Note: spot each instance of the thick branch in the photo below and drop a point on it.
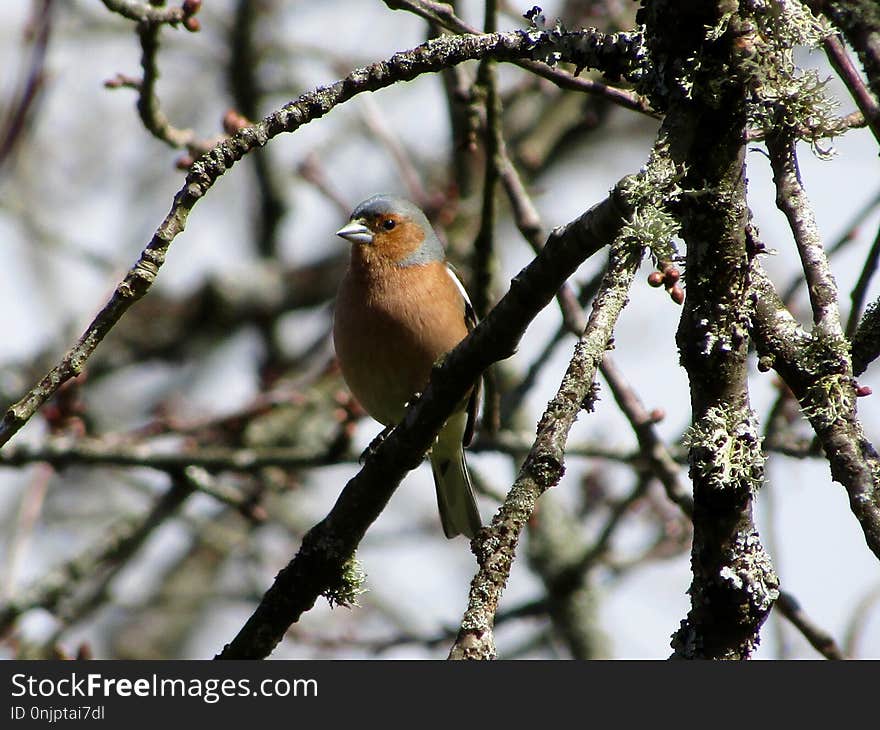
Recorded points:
(733, 585)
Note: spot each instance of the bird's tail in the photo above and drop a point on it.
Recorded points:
(455, 495)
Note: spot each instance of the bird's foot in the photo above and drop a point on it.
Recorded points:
(415, 397)
(375, 443)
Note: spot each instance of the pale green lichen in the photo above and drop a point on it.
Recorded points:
(801, 104)
(831, 394)
(725, 449)
(650, 227)
(649, 193)
(350, 585)
(787, 96)
(827, 400)
(790, 23)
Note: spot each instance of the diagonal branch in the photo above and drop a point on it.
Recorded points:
(819, 639)
(859, 21)
(544, 466)
(857, 297)
(791, 199)
(817, 371)
(14, 119)
(863, 98)
(61, 590)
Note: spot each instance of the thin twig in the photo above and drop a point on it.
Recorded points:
(146, 12)
(151, 114)
(860, 290)
(863, 98)
(15, 119)
(311, 170)
(484, 260)
(860, 23)
(29, 511)
(861, 614)
(660, 461)
(819, 639)
(374, 120)
(247, 92)
(62, 452)
(101, 563)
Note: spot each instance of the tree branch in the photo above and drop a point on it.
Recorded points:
(100, 563)
(733, 586)
(863, 98)
(857, 296)
(791, 199)
(145, 12)
(817, 370)
(859, 20)
(819, 639)
(544, 466)
(14, 119)
(444, 15)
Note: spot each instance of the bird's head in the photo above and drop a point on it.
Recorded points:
(392, 230)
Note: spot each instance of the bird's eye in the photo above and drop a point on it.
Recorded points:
(388, 224)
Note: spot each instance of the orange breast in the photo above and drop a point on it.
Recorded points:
(391, 325)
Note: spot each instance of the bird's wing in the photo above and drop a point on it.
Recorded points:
(470, 320)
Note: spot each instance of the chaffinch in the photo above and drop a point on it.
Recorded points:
(400, 307)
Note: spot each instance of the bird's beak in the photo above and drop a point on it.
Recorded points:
(356, 232)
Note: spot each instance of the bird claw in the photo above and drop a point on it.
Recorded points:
(375, 443)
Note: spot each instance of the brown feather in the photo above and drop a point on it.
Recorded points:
(390, 330)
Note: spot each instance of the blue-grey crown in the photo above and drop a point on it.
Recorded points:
(384, 204)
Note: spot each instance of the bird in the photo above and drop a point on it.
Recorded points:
(400, 307)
